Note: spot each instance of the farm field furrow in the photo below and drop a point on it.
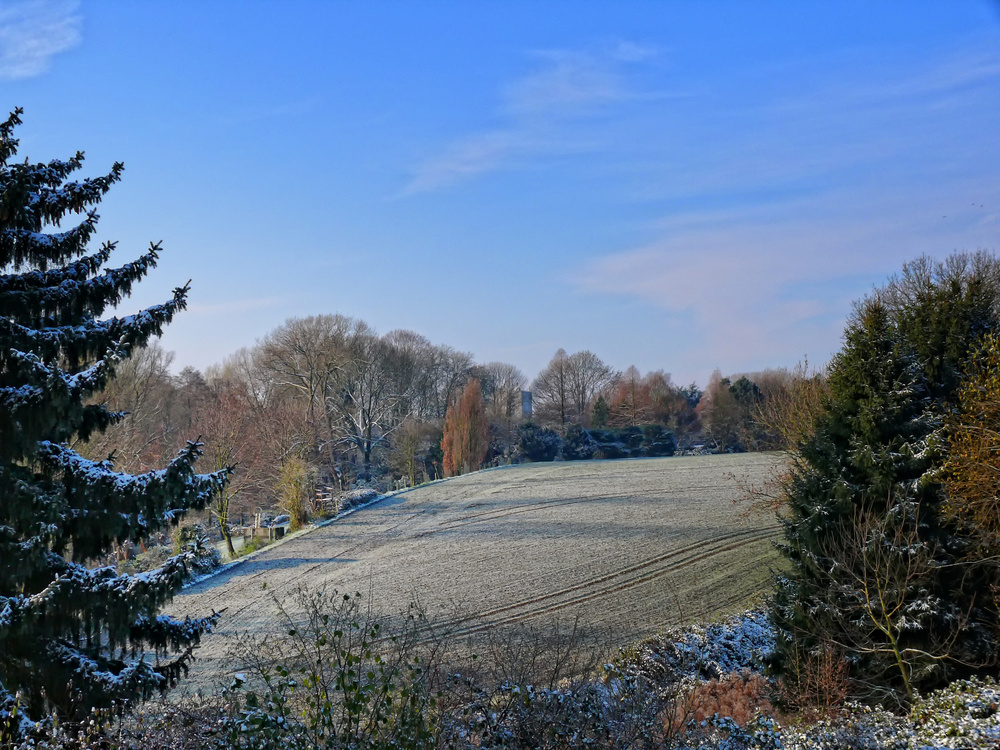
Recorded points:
(619, 547)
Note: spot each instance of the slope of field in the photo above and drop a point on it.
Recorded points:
(626, 546)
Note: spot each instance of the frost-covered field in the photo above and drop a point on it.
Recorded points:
(627, 547)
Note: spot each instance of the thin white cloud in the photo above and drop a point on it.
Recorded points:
(33, 32)
(570, 83)
(540, 110)
(950, 76)
(469, 157)
(627, 51)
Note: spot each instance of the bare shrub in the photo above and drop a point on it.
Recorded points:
(818, 684)
(547, 687)
(340, 676)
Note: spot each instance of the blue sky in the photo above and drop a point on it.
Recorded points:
(679, 186)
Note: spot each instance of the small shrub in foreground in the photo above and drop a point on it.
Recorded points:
(338, 678)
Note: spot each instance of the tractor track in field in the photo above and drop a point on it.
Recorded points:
(671, 562)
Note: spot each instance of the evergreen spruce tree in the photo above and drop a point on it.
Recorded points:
(73, 635)
(601, 412)
(878, 572)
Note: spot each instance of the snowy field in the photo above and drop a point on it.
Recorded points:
(626, 547)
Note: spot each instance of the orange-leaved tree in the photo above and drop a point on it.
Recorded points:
(972, 472)
(466, 432)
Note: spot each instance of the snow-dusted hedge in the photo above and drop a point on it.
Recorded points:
(354, 498)
(743, 642)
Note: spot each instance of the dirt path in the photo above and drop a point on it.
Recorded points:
(617, 544)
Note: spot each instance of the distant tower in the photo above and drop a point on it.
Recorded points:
(526, 404)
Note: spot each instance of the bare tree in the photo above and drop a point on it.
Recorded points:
(792, 402)
(409, 442)
(407, 359)
(427, 375)
(305, 356)
(362, 397)
(449, 370)
(141, 390)
(235, 438)
(587, 377)
(551, 397)
(502, 384)
(564, 392)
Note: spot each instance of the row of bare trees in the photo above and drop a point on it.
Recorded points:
(757, 411)
(319, 399)
(326, 399)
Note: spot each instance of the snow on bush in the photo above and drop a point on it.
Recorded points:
(707, 652)
(962, 715)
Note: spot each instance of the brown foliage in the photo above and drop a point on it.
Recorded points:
(972, 469)
(738, 696)
(791, 405)
(296, 484)
(722, 417)
(230, 428)
(787, 415)
(409, 442)
(466, 432)
(147, 434)
(631, 404)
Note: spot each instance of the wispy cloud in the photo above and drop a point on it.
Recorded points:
(569, 83)
(766, 285)
(539, 109)
(32, 32)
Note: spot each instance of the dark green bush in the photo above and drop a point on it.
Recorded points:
(610, 450)
(632, 439)
(578, 445)
(603, 436)
(659, 441)
(538, 443)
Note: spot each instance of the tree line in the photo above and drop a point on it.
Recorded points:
(327, 401)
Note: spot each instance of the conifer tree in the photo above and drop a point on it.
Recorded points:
(878, 571)
(74, 635)
(601, 412)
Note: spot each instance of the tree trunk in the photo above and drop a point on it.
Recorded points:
(222, 513)
(229, 543)
(367, 450)
(227, 535)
